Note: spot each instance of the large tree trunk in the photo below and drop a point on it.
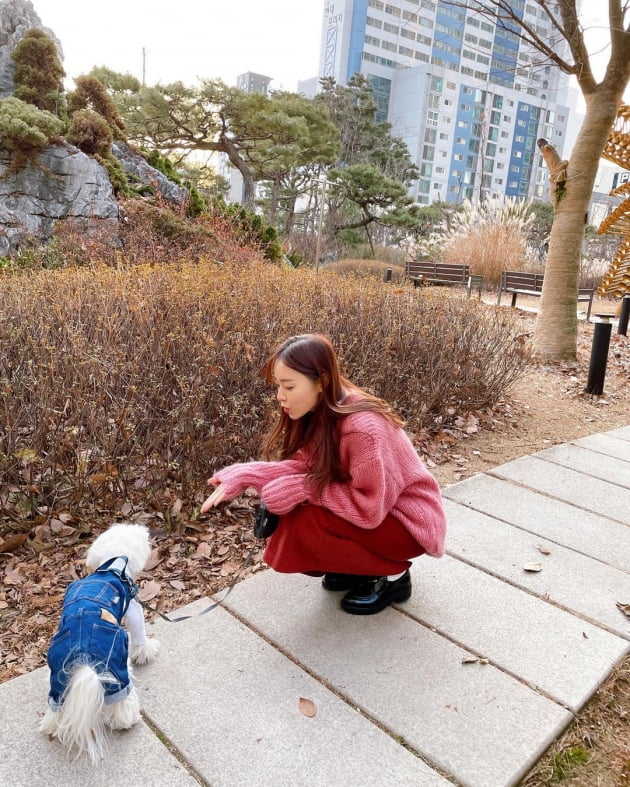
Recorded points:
(555, 335)
(249, 186)
(290, 219)
(273, 203)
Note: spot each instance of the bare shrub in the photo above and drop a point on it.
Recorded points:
(592, 271)
(392, 255)
(147, 233)
(127, 385)
(374, 268)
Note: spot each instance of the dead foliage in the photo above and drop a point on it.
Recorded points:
(131, 386)
(150, 232)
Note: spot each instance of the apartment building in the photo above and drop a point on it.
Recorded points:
(468, 96)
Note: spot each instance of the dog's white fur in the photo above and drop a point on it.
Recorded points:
(83, 721)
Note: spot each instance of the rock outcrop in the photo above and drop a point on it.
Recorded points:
(139, 169)
(62, 183)
(16, 17)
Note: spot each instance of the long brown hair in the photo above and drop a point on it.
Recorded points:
(313, 355)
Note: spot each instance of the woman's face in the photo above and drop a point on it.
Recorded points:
(297, 393)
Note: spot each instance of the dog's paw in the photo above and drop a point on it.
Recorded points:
(145, 654)
(48, 725)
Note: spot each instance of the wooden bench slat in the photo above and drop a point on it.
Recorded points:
(530, 283)
(450, 273)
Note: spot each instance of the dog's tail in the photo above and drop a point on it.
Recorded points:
(79, 723)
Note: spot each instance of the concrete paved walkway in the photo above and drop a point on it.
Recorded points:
(467, 683)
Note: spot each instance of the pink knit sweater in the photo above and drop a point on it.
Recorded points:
(387, 476)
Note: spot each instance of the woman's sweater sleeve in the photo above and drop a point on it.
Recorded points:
(237, 478)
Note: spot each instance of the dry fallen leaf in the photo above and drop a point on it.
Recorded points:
(307, 707)
(12, 577)
(203, 550)
(532, 567)
(625, 608)
(543, 550)
(149, 590)
(470, 660)
(12, 542)
(154, 560)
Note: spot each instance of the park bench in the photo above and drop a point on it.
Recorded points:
(521, 283)
(424, 272)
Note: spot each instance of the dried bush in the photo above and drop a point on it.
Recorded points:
(490, 237)
(135, 385)
(592, 271)
(373, 268)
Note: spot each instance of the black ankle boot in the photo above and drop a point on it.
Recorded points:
(374, 596)
(332, 581)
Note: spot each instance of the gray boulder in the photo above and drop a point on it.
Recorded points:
(16, 17)
(62, 183)
(135, 165)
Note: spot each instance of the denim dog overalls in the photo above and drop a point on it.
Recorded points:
(90, 631)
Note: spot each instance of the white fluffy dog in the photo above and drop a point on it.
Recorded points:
(91, 688)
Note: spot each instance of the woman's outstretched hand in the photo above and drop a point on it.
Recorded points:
(217, 497)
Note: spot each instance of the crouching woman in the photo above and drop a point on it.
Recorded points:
(355, 501)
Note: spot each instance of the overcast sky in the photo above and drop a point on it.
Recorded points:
(189, 39)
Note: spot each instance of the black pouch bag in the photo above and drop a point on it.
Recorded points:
(265, 522)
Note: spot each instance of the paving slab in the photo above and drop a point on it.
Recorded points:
(623, 433)
(606, 444)
(30, 759)
(582, 531)
(572, 580)
(546, 647)
(580, 490)
(592, 463)
(230, 702)
(480, 725)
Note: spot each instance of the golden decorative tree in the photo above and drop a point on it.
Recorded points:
(616, 281)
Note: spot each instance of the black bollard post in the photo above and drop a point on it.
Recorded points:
(623, 317)
(599, 355)
(388, 275)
